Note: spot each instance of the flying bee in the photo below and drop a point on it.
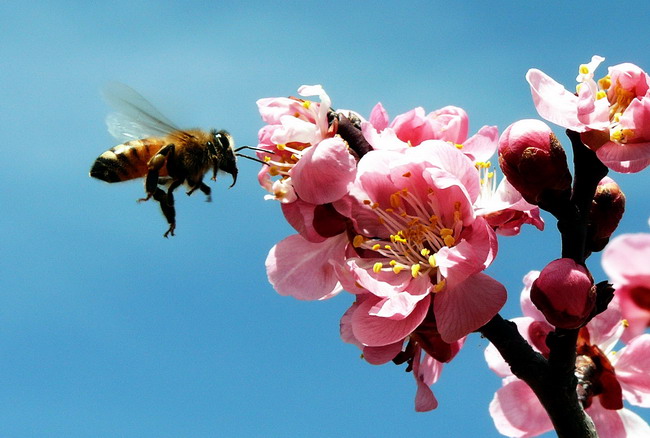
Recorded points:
(154, 148)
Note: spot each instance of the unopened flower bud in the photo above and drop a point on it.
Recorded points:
(565, 293)
(534, 162)
(606, 211)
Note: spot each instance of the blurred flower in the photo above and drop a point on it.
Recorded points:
(612, 114)
(625, 260)
(565, 293)
(534, 162)
(605, 376)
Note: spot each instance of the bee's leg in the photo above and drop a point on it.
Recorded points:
(154, 165)
(203, 187)
(206, 189)
(168, 210)
(172, 187)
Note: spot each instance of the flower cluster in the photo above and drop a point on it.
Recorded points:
(402, 214)
(613, 113)
(606, 377)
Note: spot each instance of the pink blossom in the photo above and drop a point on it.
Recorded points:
(625, 260)
(502, 206)
(613, 114)
(517, 412)
(419, 239)
(306, 161)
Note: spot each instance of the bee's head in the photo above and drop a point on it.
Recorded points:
(222, 153)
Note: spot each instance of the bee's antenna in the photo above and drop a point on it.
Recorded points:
(251, 158)
(252, 149)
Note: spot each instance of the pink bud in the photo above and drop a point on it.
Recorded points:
(565, 293)
(534, 162)
(607, 209)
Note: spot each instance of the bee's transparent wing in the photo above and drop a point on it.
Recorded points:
(135, 117)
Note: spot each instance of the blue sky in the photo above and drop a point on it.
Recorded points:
(107, 329)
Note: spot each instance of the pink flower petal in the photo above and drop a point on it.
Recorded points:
(445, 156)
(467, 306)
(300, 215)
(385, 283)
(625, 259)
(634, 425)
(629, 158)
(605, 329)
(608, 422)
(637, 317)
(305, 270)
(633, 371)
(553, 101)
(450, 123)
(324, 172)
(378, 117)
(482, 145)
(377, 331)
(517, 412)
(426, 371)
(345, 326)
(527, 306)
(472, 254)
(382, 355)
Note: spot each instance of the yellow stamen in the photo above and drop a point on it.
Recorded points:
(397, 269)
(584, 69)
(432, 261)
(605, 82)
(358, 241)
(376, 246)
(625, 323)
(376, 268)
(601, 94)
(281, 147)
(458, 146)
(395, 200)
(415, 270)
(306, 104)
(425, 252)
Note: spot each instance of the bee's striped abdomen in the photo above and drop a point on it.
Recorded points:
(126, 161)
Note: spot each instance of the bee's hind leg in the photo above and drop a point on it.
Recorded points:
(170, 195)
(167, 208)
(153, 175)
(165, 200)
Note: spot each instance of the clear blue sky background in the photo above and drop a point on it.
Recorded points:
(107, 329)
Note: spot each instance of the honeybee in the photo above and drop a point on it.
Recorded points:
(154, 148)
